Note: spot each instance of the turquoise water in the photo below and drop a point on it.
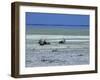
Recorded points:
(57, 30)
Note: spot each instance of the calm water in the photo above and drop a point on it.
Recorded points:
(57, 30)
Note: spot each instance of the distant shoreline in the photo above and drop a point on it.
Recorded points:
(55, 36)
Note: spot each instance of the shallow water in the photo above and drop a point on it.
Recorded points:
(73, 52)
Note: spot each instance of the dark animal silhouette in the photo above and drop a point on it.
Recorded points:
(43, 42)
(62, 41)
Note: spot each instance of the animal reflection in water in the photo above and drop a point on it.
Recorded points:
(44, 42)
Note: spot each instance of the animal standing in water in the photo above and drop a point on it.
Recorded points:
(43, 42)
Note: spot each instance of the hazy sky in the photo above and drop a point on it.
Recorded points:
(50, 19)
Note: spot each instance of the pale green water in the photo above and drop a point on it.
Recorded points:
(58, 31)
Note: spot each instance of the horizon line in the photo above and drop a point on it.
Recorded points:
(55, 25)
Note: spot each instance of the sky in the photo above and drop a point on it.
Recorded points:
(51, 19)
